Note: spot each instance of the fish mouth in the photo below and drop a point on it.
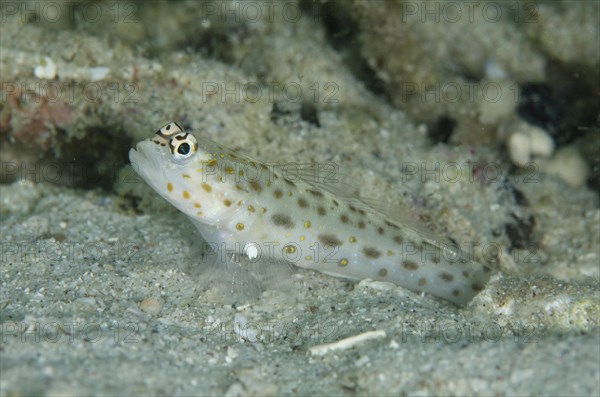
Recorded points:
(137, 158)
(141, 162)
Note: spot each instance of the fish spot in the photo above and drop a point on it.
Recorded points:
(321, 211)
(398, 240)
(277, 193)
(422, 281)
(169, 187)
(185, 176)
(186, 194)
(289, 249)
(455, 292)
(371, 252)
(476, 287)
(390, 224)
(226, 202)
(335, 202)
(255, 186)
(239, 226)
(315, 193)
(352, 239)
(487, 269)
(282, 220)
(382, 272)
(410, 265)
(307, 224)
(447, 277)
(206, 187)
(343, 262)
(435, 259)
(302, 203)
(344, 218)
(465, 273)
(196, 205)
(251, 208)
(380, 230)
(361, 225)
(329, 240)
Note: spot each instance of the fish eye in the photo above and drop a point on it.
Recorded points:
(169, 129)
(183, 146)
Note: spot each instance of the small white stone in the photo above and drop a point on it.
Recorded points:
(150, 306)
(493, 71)
(541, 143)
(518, 148)
(528, 142)
(45, 70)
(98, 73)
(568, 164)
(493, 106)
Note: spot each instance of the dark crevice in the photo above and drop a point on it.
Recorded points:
(441, 130)
(310, 113)
(566, 107)
(520, 231)
(95, 160)
(291, 113)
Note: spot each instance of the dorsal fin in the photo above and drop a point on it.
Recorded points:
(342, 186)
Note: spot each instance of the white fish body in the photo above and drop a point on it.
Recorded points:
(244, 206)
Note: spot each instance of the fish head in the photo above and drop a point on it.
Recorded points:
(174, 164)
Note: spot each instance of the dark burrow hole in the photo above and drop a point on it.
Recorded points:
(567, 108)
(441, 130)
(95, 160)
